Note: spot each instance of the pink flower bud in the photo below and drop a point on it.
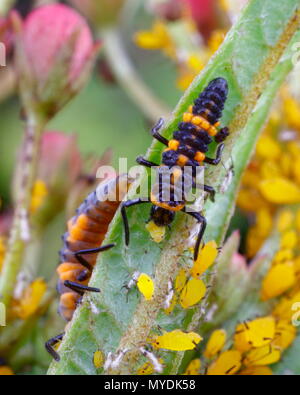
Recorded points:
(99, 12)
(55, 52)
(204, 13)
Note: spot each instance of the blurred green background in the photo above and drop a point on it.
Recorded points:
(102, 115)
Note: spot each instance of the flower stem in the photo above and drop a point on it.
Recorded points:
(128, 77)
(20, 236)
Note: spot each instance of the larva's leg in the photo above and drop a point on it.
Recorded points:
(79, 288)
(155, 132)
(208, 189)
(201, 220)
(217, 160)
(222, 135)
(79, 257)
(124, 206)
(144, 162)
(51, 343)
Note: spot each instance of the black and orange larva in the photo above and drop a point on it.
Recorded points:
(187, 149)
(82, 244)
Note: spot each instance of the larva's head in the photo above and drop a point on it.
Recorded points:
(160, 218)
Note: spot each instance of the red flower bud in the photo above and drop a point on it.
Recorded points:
(55, 51)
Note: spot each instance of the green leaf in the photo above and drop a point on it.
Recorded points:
(247, 59)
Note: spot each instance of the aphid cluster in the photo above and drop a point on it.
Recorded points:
(87, 230)
(186, 150)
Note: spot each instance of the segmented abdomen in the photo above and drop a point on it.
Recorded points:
(171, 188)
(200, 124)
(87, 230)
(211, 101)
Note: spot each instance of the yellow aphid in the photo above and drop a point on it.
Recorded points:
(39, 193)
(216, 39)
(30, 301)
(250, 200)
(270, 169)
(194, 368)
(254, 242)
(6, 371)
(251, 179)
(268, 148)
(256, 371)
(180, 280)
(291, 111)
(146, 370)
(257, 333)
(263, 356)
(157, 233)
(280, 279)
(296, 169)
(195, 62)
(298, 220)
(284, 309)
(177, 340)
(185, 78)
(193, 292)
(155, 39)
(145, 285)
(294, 149)
(297, 267)
(284, 255)
(216, 343)
(287, 164)
(98, 359)
(264, 222)
(289, 240)
(227, 364)
(280, 191)
(285, 334)
(206, 258)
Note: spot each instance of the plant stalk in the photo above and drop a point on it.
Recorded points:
(129, 79)
(20, 233)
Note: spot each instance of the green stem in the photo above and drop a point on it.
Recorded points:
(128, 78)
(19, 237)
